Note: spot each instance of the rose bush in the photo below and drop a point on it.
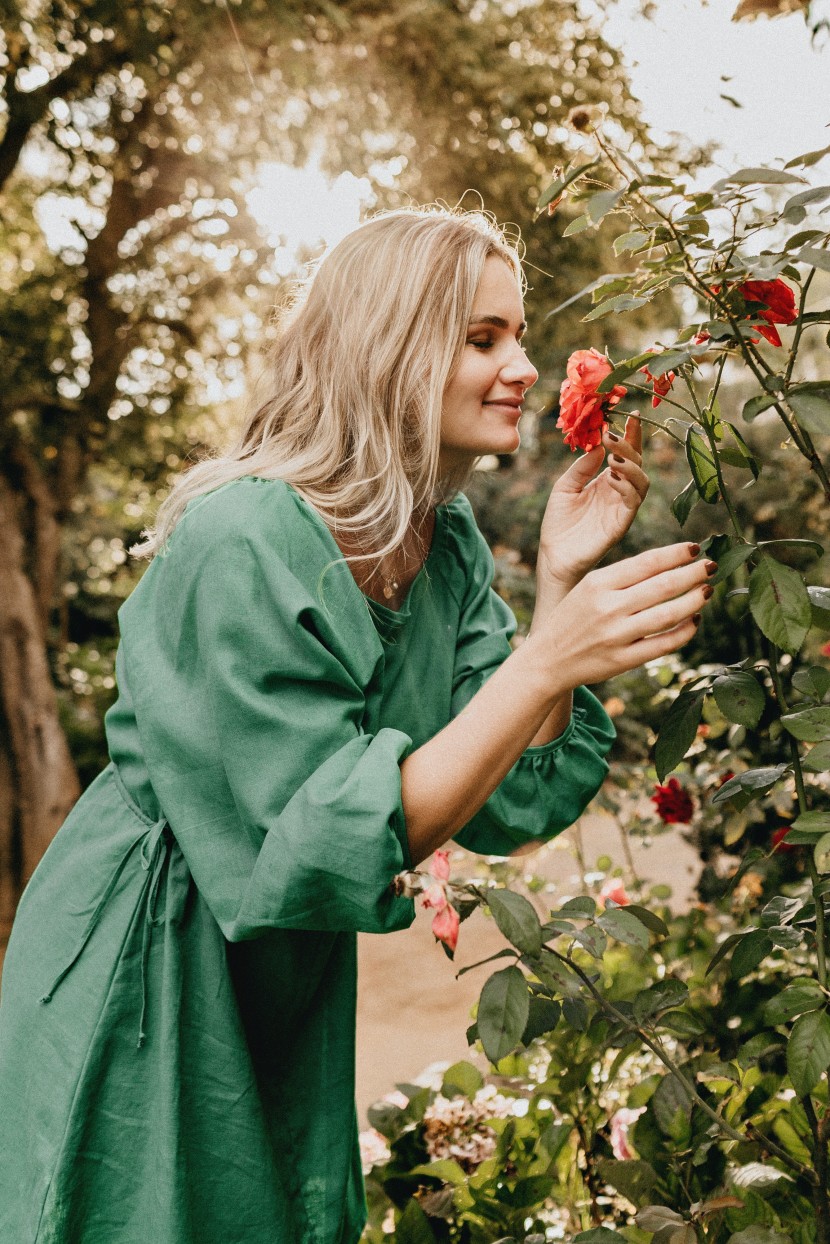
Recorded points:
(712, 1026)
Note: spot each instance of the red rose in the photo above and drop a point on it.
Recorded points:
(582, 410)
(673, 804)
(776, 305)
(660, 384)
(777, 840)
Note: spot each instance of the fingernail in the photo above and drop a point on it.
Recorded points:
(711, 567)
(617, 458)
(614, 475)
(696, 619)
(708, 590)
(694, 549)
(612, 436)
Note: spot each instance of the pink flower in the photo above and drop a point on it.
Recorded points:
(614, 891)
(620, 1123)
(825, 650)
(582, 410)
(446, 921)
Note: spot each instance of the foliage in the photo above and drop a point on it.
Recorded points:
(714, 1026)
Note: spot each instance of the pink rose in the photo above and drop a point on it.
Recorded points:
(582, 410)
(614, 891)
(620, 1123)
(446, 921)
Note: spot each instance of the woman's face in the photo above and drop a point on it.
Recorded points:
(483, 400)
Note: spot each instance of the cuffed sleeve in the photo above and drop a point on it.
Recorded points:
(286, 807)
(549, 786)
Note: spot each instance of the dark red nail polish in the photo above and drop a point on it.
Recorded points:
(612, 436)
(694, 549)
(711, 567)
(614, 475)
(696, 619)
(707, 590)
(617, 458)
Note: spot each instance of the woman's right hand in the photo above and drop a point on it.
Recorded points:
(620, 616)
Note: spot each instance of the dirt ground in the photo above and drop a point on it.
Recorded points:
(412, 1012)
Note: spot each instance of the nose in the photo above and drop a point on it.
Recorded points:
(518, 369)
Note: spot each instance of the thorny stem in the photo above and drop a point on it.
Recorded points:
(674, 1070)
(815, 880)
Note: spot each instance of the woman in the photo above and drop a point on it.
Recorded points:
(316, 690)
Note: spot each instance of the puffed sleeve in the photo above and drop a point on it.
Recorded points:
(253, 723)
(549, 786)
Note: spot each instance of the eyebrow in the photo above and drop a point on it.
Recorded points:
(495, 320)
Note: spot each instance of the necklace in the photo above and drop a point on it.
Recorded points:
(390, 587)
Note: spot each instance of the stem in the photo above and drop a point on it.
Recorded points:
(710, 436)
(592, 1181)
(654, 423)
(674, 1070)
(629, 858)
(799, 328)
(815, 880)
(820, 1201)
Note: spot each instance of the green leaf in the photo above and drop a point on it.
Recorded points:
(795, 999)
(677, 731)
(739, 455)
(622, 371)
(702, 465)
(811, 725)
(649, 919)
(613, 306)
(445, 1169)
(753, 780)
(820, 606)
(592, 939)
(660, 997)
(669, 360)
(682, 1023)
(516, 919)
(658, 1218)
(579, 225)
(731, 560)
(811, 405)
(814, 257)
(756, 405)
(503, 1012)
(630, 241)
(600, 1235)
(779, 603)
(749, 952)
(413, 1226)
(575, 1014)
(683, 503)
(581, 906)
(620, 924)
(800, 545)
(808, 1051)
(386, 1118)
(817, 759)
(507, 952)
(543, 1016)
(553, 973)
(739, 697)
(756, 1234)
(559, 184)
(814, 681)
(601, 203)
(632, 1178)
(812, 823)
(805, 161)
(758, 177)
(463, 1076)
(816, 194)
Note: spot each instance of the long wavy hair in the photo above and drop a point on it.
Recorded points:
(351, 415)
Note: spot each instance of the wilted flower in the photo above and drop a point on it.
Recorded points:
(620, 1123)
(661, 385)
(614, 891)
(583, 411)
(446, 922)
(455, 1127)
(673, 804)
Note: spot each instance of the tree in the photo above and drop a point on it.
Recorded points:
(143, 124)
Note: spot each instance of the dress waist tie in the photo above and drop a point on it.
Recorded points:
(155, 850)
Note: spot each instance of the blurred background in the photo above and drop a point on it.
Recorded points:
(166, 170)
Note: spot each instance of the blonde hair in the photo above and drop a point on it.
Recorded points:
(356, 380)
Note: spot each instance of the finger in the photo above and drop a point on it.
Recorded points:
(616, 444)
(668, 585)
(582, 470)
(629, 471)
(661, 645)
(628, 494)
(646, 565)
(633, 433)
(664, 617)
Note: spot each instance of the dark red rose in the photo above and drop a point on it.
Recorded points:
(582, 410)
(673, 804)
(776, 305)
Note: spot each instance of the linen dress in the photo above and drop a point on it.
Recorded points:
(177, 1019)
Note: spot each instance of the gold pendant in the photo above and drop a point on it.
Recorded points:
(389, 589)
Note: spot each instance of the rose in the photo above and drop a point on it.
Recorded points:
(661, 384)
(614, 891)
(777, 840)
(446, 921)
(582, 409)
(673, 804)
(777, 302)
(620, 1123)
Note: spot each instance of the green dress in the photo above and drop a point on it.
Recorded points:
(177, 1018)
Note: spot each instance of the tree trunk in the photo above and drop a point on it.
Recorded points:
(38, 781)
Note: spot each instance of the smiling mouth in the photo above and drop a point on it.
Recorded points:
(514, 407)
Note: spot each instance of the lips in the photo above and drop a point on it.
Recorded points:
(508, 403)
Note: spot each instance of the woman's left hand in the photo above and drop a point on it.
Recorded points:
(588, 514)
